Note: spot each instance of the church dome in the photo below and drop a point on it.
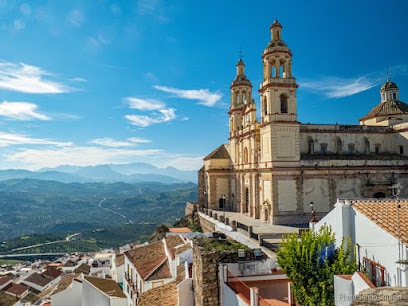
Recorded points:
(389, 85)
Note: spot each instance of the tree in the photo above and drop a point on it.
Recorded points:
(311, 263)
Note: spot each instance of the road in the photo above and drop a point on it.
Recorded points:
(114, 212)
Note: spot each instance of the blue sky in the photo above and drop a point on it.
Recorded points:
(98, 82)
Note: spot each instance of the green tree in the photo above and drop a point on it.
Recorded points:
(311, 263)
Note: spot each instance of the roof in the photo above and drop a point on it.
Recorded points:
(83, 268)
(219, 153)
(165, 295)
(389, 85)
(145, 265)
(183, 248)
(162, 272)
(108, 286)
(120, 260)
(396, 296)
(387, 109)
(5, 279)
(16, 289)
(65, 282)
(38, 279)
(52, 272)
(172, 242)
(179, 230)
(386, 214)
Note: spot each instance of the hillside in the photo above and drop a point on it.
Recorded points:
(32, 206)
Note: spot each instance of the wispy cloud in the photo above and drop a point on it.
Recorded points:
(109, 142)
(203, 96)
(21, 111)
(160, 116)
(335, 87)
(8, 139)
(144, 104)
(28, 79)
(158, 112)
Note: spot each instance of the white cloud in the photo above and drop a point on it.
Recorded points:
(21, 111)
(76, 156)
(334, 87)
(109, 142)
(203, 96)
(144, 104)
(28, 79)
(8, 139)
(162, 115)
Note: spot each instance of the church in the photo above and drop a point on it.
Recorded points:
(277, 169)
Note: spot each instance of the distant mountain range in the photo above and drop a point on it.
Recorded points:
(127, 173)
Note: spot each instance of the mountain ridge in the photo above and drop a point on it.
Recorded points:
(105, 173)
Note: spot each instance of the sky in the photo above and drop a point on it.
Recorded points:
(115, 82)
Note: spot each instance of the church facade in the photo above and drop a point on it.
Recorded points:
(277, 169)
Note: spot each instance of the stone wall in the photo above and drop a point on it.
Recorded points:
(206, 225)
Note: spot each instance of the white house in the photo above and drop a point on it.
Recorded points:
(152, 265)
(68, 291)
(379, 230)
(101, 292)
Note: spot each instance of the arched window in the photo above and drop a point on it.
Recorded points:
(245, 155)
(232, 124)
(394, 96)
(311, 145)
(265, 106)
(366, 146)
(284, 104)
(339, 145)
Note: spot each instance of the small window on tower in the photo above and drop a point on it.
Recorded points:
(401, 150)
(323, 148)
(394, 96)
(284, 104)
(351, 148)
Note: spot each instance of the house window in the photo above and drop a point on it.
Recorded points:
(351, 148)
(323, 148)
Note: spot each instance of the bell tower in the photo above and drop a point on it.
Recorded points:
(243, 124)
(279, 125)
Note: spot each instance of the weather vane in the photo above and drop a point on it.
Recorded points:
(240, 53)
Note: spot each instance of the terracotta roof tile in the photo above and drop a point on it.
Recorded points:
(16, 289)
(387, 215)
(65, 282)
(219, 153)
(108, 286)
(183, 248)
(386, 109)
(161, 272)
(172, 242)
(52, 272)
(120, 259)
(179, 230)
(166, 295)
(147, 258)
(38, 279)
(83, 268)
(5, 279)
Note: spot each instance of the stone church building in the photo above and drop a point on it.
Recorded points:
(274, 168)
